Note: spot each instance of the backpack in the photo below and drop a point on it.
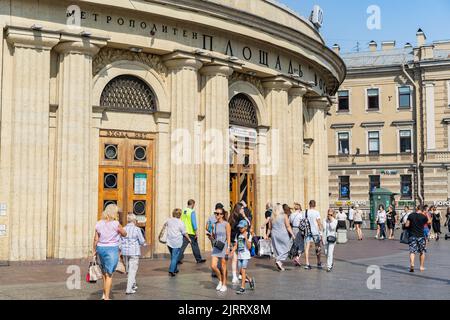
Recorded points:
(304, 226)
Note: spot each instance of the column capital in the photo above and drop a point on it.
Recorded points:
(277, 83)
(318, 103)
(217, 69)
(298, 91)
(81, 45)
(33, 39)
(181, 60)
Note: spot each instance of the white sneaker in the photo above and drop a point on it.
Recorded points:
(219, 286)
(240, 277)
(223, 289)
(235, 281)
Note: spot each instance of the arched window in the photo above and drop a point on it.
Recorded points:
(242, 111)
(130, 94)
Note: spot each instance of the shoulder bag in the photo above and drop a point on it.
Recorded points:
(163, 234)
(404, 237)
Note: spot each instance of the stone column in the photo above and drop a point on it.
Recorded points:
(317, 166)
(74, 147)
(162, 173)
(25, 142)
(215, 167)
(262, 178)
(184, 108)
(277, 104)
(295, 160)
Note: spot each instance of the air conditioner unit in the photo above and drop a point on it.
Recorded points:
(317, 17)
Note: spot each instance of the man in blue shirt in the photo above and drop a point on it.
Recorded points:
(189, 219)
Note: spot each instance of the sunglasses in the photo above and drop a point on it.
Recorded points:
(217, 213)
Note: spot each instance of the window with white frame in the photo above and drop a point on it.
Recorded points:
(374, 142)
(373, 99)
(405, 141)
(343, 143)
(404, 97)
(343, 101)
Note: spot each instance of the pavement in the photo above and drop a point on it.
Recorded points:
(364, 270)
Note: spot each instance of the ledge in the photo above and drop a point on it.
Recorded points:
(372, 124)
(342, 126)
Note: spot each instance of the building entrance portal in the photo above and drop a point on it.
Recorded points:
(243, 136)
(126, 177)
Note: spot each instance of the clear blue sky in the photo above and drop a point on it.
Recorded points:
(345, 21)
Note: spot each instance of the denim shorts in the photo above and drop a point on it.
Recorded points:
(242, 264)
(313, 238)
(109, 258)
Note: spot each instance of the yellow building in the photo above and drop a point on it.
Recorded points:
(133, 103)
(390, 127)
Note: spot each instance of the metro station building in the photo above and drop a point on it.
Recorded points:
(148, 104)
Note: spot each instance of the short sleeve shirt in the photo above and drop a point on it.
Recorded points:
(416, 224)
(313, 215)
(175, 231)
(242, 250)
(108, 232)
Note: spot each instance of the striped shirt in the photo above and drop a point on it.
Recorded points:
(131, 244)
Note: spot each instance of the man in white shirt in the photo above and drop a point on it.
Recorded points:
(315, 233)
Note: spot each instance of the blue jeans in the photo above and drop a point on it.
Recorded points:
(382, 230)
(174, 256)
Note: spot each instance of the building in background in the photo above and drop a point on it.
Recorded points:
(115, 102)
(391, 125)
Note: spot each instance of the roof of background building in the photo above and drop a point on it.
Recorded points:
(378, 58)
(441, 54)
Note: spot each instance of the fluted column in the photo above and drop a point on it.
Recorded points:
(74, 147)
(216, 171)
(277, 104)
(26, 119)
(295, 160)
(184, 107)
(317, 167)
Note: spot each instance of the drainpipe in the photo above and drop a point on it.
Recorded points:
(418, 128)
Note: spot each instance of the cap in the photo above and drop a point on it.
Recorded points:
(219, 206)
(242, 224)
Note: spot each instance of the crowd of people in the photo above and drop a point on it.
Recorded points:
(292, 233)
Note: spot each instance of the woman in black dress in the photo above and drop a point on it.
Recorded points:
(391, 220)
(436, 224)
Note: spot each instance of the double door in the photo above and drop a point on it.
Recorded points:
(242, 180)
(126, 177)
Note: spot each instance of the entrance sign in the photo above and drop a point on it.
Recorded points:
(244, 134)
(140, 183)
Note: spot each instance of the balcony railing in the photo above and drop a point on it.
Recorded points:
(437, 156)
(370, 159)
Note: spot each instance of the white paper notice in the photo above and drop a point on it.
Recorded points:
(2, 230)
(3, 209)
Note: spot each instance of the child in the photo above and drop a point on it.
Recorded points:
(243, 244)
(131, 251)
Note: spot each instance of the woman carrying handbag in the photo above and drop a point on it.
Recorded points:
(221, 248)
(329, 238)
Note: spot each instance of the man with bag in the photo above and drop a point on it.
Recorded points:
(314, 235)
(188, 217)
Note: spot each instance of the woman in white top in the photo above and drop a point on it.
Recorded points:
(358, 222)
(329, 237)
(404, 216)
(381, 220)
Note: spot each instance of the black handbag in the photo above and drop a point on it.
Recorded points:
(331, 239)
(404, 238)
(219, 244)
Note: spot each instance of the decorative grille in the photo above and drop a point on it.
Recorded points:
(242, 111)
(128, 93)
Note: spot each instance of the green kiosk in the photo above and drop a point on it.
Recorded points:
(379, 196)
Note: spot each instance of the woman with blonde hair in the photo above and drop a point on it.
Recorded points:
(281, 233)
(106, 245)
(329, 237)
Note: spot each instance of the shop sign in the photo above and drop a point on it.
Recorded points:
(351, 203)
(389, 172)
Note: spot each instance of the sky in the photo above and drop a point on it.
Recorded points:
(345, 21)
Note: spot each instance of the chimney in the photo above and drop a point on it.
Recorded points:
(387, 45)
(373, 46)
(408, 45)
(421, 38)
(336, 48)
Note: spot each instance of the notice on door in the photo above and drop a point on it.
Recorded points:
(140, 183)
